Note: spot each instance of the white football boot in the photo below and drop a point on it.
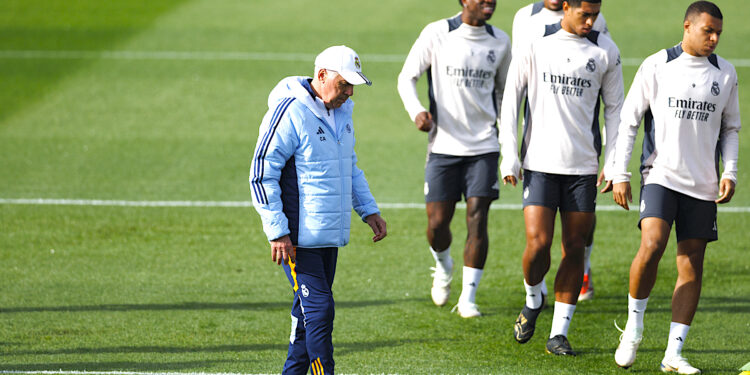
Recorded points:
(441, 285)
(629, 342)
(679, 365)
(467, 310)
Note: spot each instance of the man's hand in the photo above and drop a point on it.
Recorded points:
(378, 226)
(621, 194)
(510, 180)
(424, 121)
(607, 187)
(282, 250)
(726, 191)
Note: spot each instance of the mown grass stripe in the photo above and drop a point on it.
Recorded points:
(228, 56)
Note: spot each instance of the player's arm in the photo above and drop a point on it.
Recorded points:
(515, 87)
(729, 143)
(417, 62)
(276, 144)
(635, 106)
(518, 35)
(613, 96)
(501, 78)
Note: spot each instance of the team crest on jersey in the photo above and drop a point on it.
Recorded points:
(491, 57)
(348, 128)
(715, 89)
(591, 65)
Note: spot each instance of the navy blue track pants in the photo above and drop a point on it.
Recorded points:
(310, 345)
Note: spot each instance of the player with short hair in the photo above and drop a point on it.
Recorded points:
(466, 61)
(688, 97)
(529, 24)
(564, 73)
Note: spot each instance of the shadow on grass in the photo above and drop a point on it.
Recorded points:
(114, 366)
(192, 306)
(153, 349)
(342, 348)
(729, 305)
(76, 26)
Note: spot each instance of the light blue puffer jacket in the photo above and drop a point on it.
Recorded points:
(304, 177)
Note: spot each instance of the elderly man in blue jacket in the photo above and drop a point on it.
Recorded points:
(305, 181)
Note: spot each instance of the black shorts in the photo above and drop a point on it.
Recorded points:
(569, 193)
(695, 218)
(447, 177)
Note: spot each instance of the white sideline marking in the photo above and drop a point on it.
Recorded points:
(390, 206)
(60, 372)
(228, 56)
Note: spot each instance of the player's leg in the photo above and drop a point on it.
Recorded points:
(540, 200)
(577, 206)
(297, 360)
(439, 215)
(475, 254)
(481, 187)
(314, 276)
(442, 190)
(658, 210)
(695, 227)
(684, 303)
(587, 288)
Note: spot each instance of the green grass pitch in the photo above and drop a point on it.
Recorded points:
(146, 100)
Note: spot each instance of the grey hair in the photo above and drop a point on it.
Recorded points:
(331, 73)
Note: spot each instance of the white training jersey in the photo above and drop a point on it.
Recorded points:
(564, 75)
(529, 23)
(466, 68)
(692, 117)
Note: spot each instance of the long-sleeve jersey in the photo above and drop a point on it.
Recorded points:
(466, 68)
(692, 119)
(529, 23)
(563, 75)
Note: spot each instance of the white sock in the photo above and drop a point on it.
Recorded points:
(470, 284)
(533, 294)
(544, 287)
(443, 259)
(561, 319)
(587, 259)
(677, 334)
(636, 311)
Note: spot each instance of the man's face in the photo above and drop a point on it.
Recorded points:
(702, 34)
(554, 5)
(581, 20)
(480, 10)
(335, 90)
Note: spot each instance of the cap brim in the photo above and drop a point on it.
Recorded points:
(356, 78)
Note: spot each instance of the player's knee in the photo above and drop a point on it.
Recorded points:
(538, 242)
(574, 246)
(652, 246)
(438, 225)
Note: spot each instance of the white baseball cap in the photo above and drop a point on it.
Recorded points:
(344, 61)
